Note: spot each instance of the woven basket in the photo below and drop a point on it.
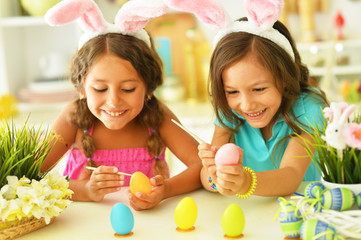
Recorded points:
(19, 228)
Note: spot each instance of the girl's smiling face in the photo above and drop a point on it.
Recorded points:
(114, 90)
(251, 91)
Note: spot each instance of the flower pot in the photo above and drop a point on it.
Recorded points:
(355, 188)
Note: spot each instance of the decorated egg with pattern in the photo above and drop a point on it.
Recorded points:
(290, 220)
(358, 200)
(338, 199)
(314, 229)
(314, 190)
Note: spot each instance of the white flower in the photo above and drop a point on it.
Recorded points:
(46, 198)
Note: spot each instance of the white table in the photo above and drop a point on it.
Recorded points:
(89, 220)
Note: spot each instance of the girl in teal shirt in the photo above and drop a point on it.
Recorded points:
(263, 103)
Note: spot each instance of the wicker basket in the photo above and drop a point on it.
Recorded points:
(19, 228)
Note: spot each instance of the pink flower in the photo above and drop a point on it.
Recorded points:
(352, 135)
(328, 112)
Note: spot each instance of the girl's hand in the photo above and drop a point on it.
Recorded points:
(232, 179)
(206, 153)
(104, 180)
(144, 201)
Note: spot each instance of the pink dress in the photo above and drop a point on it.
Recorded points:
(128, 160)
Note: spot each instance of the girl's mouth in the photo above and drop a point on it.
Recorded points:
(256, 114)
(114, 114)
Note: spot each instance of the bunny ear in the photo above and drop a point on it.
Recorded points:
(207, 11)
(336, 111)
(264, 13)
(135, 14)
(66, 11)
(347, 113)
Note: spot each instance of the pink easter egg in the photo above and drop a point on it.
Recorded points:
(228, 154)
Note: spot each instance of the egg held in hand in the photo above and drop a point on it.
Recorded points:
(228, 154)
(121, 218)
(139, 182)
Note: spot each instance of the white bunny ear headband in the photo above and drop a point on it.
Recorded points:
(261, 14)
(131, 18)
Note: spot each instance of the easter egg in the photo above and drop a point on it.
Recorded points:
(312, 227)
(314, 190)
(121, 218)
(290, 220)
(233, 221)
(228, 154)
(185, 214)
(338, 199)
(358, 200)
(139, 182)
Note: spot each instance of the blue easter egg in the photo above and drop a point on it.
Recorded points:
(290, 220)
(338, 199)
(313, 227)
(358, 200)
(121, 218)
(314, 190)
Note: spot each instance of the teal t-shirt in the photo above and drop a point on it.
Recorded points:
(257, 152)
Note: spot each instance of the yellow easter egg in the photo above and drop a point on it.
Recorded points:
(139, 182)
(185, 214)
(233, 221)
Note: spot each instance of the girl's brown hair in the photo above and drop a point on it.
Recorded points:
(146, 62)
(292, 74)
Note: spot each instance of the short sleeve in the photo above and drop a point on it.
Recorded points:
(312, 113)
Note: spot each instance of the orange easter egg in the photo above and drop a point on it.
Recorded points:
(139, 182)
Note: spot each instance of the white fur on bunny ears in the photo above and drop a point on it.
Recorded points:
(132, 16)
(130, 19)
(261, 14)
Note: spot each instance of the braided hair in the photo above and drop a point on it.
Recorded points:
(146, 62)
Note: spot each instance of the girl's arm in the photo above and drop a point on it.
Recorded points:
(279, 182)
(207, 153)
(66, 134)
(288, 177)
(184, 147)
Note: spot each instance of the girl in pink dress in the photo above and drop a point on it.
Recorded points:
(118, 124)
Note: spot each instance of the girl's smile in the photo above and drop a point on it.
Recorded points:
(251, 92)
(115, 92)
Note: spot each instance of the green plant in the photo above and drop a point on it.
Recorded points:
(338, 148)
(23, 150)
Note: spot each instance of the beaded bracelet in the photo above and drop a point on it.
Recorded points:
(253, 186)
(211, 183)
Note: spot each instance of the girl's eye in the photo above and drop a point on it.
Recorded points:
(231, 92)
(129, 90)
(259, 89)
(100, 89)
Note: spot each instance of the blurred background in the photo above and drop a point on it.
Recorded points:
(34, 57)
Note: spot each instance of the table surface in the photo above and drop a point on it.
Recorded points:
(90, 220)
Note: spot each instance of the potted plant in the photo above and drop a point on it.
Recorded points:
(338, 144)
(28, 199)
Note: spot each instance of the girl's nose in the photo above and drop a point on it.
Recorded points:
(246, 103)
(114, 98)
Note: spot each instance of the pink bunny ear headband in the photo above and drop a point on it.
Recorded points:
(131, 18)
(261, 14)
